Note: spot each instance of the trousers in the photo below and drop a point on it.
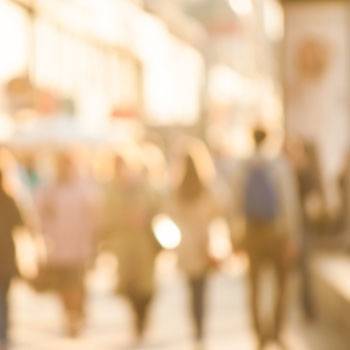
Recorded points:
(267, 249)
(4, 310)
(197, 288)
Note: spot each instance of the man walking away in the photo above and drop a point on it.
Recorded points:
(270, 210)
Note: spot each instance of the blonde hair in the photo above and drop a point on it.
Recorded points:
(202, 160)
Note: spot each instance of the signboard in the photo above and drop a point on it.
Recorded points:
(317, 76)
(216, 16)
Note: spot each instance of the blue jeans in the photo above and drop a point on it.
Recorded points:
(4, 311)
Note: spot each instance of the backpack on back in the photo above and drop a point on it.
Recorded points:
(261, 196)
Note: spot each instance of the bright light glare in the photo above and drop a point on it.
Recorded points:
(226, 85)
(241, 7)
(273, 19)
(166, 232)
(26, 255)
(14, 52)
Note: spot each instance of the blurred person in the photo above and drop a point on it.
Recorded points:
(28, 181)
(193, 205)
(308, 174)
(69, 218)
(10, 218)
(266, 197)
(344, 192)
(130, 206)
(155, 167)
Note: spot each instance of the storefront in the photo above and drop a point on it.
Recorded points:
(97, 62)
(69, 57)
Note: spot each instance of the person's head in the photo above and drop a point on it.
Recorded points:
(120, 168)
(259, 137)
(191, 185)
(65, 167)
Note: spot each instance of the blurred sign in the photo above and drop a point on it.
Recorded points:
(317, 75)
(20, 95)
(313, 58)
(124, 113)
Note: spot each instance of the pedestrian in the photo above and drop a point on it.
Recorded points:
(10, 218)
(343, 185)
(130, 206)
(68, 210)
(309, 184)
(193, 205)
(267, 199)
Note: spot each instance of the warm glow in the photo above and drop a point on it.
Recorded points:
(227, 86)
(220, 243)
(170, 66)
(241, 7)
(13, 41)
(29, 254)
(167, 233)
(273, 19)
(6, 128)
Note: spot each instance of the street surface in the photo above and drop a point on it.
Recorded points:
(37, 318)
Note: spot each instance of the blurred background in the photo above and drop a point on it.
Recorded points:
(140, 78)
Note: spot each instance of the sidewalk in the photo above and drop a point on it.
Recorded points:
(37, 319)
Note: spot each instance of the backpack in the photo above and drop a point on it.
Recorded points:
(261, 197)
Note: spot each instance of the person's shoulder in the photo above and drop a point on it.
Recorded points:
(6, 198)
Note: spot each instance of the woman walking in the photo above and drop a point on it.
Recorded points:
(129, 210)
(68, 210)
(193, 205)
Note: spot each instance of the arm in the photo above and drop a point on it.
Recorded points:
(291, 203)
(237, 222)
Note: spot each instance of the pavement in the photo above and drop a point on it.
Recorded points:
(37, 318)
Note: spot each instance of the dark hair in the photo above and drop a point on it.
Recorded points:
(2, 188)
(259, 136)
(191, 185)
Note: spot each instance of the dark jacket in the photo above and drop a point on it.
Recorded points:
(10, 218)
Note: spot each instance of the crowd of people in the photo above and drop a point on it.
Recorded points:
(268, 203)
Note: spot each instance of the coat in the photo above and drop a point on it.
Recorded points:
(10, 218)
